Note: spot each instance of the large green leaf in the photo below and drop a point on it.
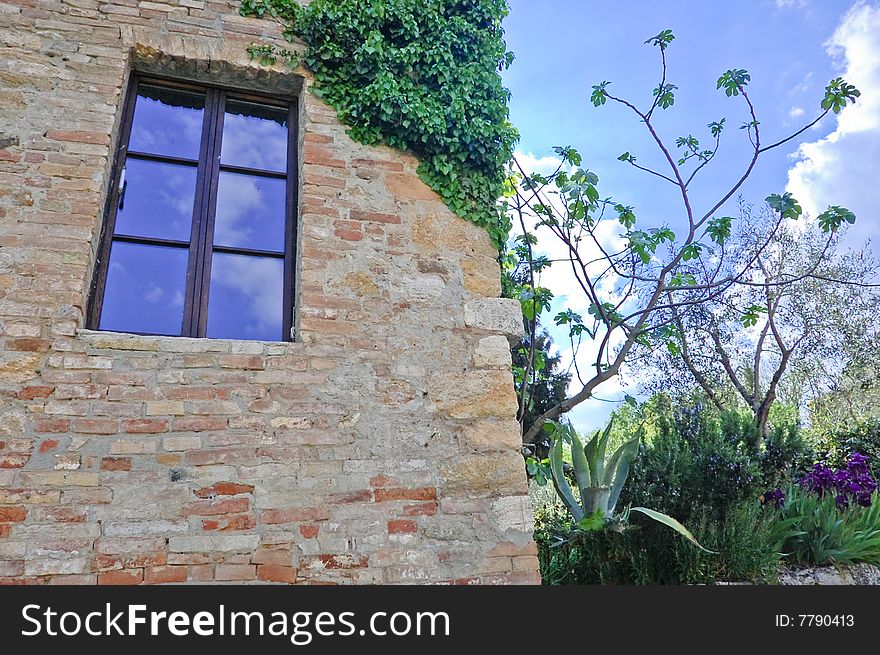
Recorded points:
(560, 481)
(581, 466)
(600, 453)
(625, 456)
(672, 523)
(591, 450)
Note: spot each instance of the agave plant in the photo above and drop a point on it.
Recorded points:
(599, 482)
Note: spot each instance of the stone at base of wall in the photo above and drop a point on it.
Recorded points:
(856, 574)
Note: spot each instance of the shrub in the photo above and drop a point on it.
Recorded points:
(820, 531)
(834, 447)
(747, 546)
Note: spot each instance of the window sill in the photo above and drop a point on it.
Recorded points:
(140, 343)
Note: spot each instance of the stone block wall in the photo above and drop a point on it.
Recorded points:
(379, 447)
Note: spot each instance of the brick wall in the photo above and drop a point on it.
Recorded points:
(380, 447)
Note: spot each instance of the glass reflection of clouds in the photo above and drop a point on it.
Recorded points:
(145, 289)
(158, 200)
(254, 136)
(167, 122)
(250, 212)
(246, 297)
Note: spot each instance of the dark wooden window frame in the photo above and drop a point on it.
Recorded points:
(201, 244)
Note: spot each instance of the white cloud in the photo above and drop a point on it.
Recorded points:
(841, 169)
(560, 279)
(796, 112)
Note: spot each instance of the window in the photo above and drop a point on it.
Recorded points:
(198, 238)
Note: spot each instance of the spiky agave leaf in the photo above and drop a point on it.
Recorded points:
(560, 482)
(628, 452)
(672, 523)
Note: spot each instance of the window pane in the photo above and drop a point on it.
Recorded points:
(145, 289)
(246, 298)
(254, 136)
(158, 200)
(167, 122)
(250, 212)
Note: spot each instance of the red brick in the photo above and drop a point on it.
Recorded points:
(247, 362)
(145, 425)
(49, 444)
(5, 529)
(12, 514)
(124, 577)
(99, 138)
(213, 508)
(95, 426)
(224, 489)
(28, 344)
(420, 509)
(279, 554)
(52, 425)
(323, 180)
(5, 155)
(273, 573)
(349, 235)
(29, 393)
(374, 217)
(319, 156)
(400, 526)
(197, 424)
(314, 137)
(350, 497)
(116, 464)
(165, 574)
(63, 514)
(231, 523)
(423, 493)
(14, 460)
(235, 572)
(382, 480)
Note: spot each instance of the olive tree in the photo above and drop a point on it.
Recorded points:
(631, 291)
(798, 315)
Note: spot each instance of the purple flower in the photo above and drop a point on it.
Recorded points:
(852, 483)
(776, 496)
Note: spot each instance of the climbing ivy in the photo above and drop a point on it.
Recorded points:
(419, 75)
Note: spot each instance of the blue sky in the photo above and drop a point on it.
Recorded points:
(791, 48)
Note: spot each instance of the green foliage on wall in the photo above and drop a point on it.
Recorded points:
(419, 75)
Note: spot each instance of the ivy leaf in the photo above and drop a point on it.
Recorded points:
(785, 204)
(734, 81)
(832, 218)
